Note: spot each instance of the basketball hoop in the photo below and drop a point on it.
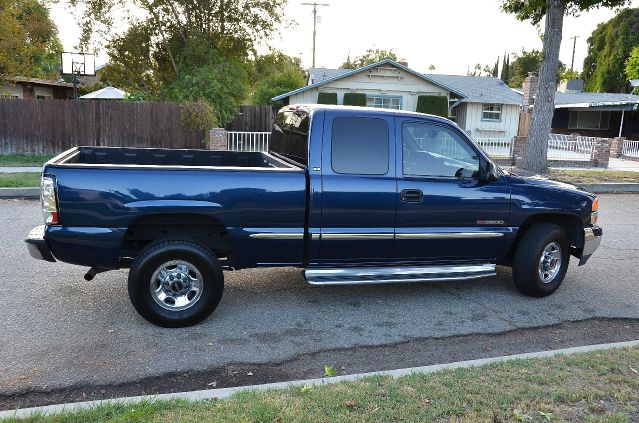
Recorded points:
(77, 65)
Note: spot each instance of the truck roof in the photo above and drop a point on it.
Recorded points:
(362, 110)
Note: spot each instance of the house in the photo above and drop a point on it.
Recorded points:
(484, 107)
(605, 115)
(34, 88)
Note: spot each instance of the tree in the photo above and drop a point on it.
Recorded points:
(277, 74)
(505, 69)
(536, 149)
(29, 44)
(370, 56)
(431, 68)
(632, 64)
(524, 63)
(609, 47)
(495, 71)
(185, 50)
(479, 70)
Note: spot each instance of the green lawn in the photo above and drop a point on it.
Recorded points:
(577, 176)
(591, 387)
(19, 180)
(23, 160)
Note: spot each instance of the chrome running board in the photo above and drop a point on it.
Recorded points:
(379, 275)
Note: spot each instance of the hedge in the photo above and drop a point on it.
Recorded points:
(433, 104)
(326, 98)
(354, 99)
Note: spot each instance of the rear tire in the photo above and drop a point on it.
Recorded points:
(541, 260)
(175, 283)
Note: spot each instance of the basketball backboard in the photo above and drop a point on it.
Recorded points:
(82, 64)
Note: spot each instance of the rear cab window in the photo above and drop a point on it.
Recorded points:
(289, 137)
(359, 146)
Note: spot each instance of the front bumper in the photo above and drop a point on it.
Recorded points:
(592, 239)
(37, 245)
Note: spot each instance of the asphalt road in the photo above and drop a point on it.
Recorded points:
(56, 330)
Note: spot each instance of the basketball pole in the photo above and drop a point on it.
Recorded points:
(76, 79)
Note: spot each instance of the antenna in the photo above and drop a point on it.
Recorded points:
(314, 4)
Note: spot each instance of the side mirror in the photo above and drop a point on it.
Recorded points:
(489, 172)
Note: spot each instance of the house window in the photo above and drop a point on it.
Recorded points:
(453, 114)
(491, 112)
(384, 102)
(589, 119)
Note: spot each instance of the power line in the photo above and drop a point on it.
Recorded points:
(314, 4)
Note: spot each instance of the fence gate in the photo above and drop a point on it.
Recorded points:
(248, 141)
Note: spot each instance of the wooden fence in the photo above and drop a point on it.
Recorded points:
(253, 119)
(52, 126)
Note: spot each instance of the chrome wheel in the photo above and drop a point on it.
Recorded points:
(176, 285)
(550, 262)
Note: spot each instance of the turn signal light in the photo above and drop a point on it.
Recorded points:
(594, 216)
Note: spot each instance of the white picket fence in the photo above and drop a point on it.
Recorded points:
(630, 148)
(568, 147)
(496, 147)
(248, 141)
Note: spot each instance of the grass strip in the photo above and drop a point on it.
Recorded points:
(20, 180)
(593, 176)
(592, 387)
(12, 160)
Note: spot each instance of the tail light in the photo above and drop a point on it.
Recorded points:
(49, 201)
(594, 215)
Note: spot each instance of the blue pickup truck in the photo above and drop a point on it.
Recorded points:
(351, 195)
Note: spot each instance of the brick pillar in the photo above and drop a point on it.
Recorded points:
(601, 153)
(616, 147)
(217, 139)
(518, 149)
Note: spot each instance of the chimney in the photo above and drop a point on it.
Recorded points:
(403, 62)
(531, 86)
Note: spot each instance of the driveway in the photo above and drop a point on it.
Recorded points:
(59, 331)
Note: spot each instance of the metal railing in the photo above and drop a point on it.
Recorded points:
(570, 147)
(248, 141)
(630, 148)
(496, 147)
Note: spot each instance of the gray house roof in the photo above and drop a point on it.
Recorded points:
(479, 89)
(584, 99)
(322, 74)
(349, 72)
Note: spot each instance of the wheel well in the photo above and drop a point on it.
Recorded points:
(571, 224)
(202, 228)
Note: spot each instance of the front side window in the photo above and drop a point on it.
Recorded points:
(360, 146)
(384, 102)
(491, 112)
(437, 151)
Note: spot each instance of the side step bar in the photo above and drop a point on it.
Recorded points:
(380, 275)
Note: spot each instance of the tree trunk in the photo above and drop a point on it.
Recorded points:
(535, 157)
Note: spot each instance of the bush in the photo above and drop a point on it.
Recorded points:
(326, 98)
(433, 104)
(354, 99)
(197, 117)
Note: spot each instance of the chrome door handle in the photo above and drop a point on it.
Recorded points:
(412, 195)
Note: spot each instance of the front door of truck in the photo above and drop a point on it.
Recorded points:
(444, 211)
(358, 187)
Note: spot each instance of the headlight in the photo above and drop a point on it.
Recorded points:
(594, 214)
(49, 201)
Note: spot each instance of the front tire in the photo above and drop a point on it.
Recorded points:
(541, 260)
(175, 283)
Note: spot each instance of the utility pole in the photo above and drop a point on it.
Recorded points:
(574, 45)
(314, 4)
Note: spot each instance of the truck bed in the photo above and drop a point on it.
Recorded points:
(118, 156)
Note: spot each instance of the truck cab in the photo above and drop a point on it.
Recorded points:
(351, 195)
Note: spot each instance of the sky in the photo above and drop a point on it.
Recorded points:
(452, 35)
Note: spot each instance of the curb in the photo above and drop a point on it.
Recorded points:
(611, 187)
(10, 193)
(208, 394)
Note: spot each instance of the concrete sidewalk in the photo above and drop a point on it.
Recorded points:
(19, 169)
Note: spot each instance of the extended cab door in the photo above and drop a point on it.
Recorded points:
(358, 187)
(444, 211)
